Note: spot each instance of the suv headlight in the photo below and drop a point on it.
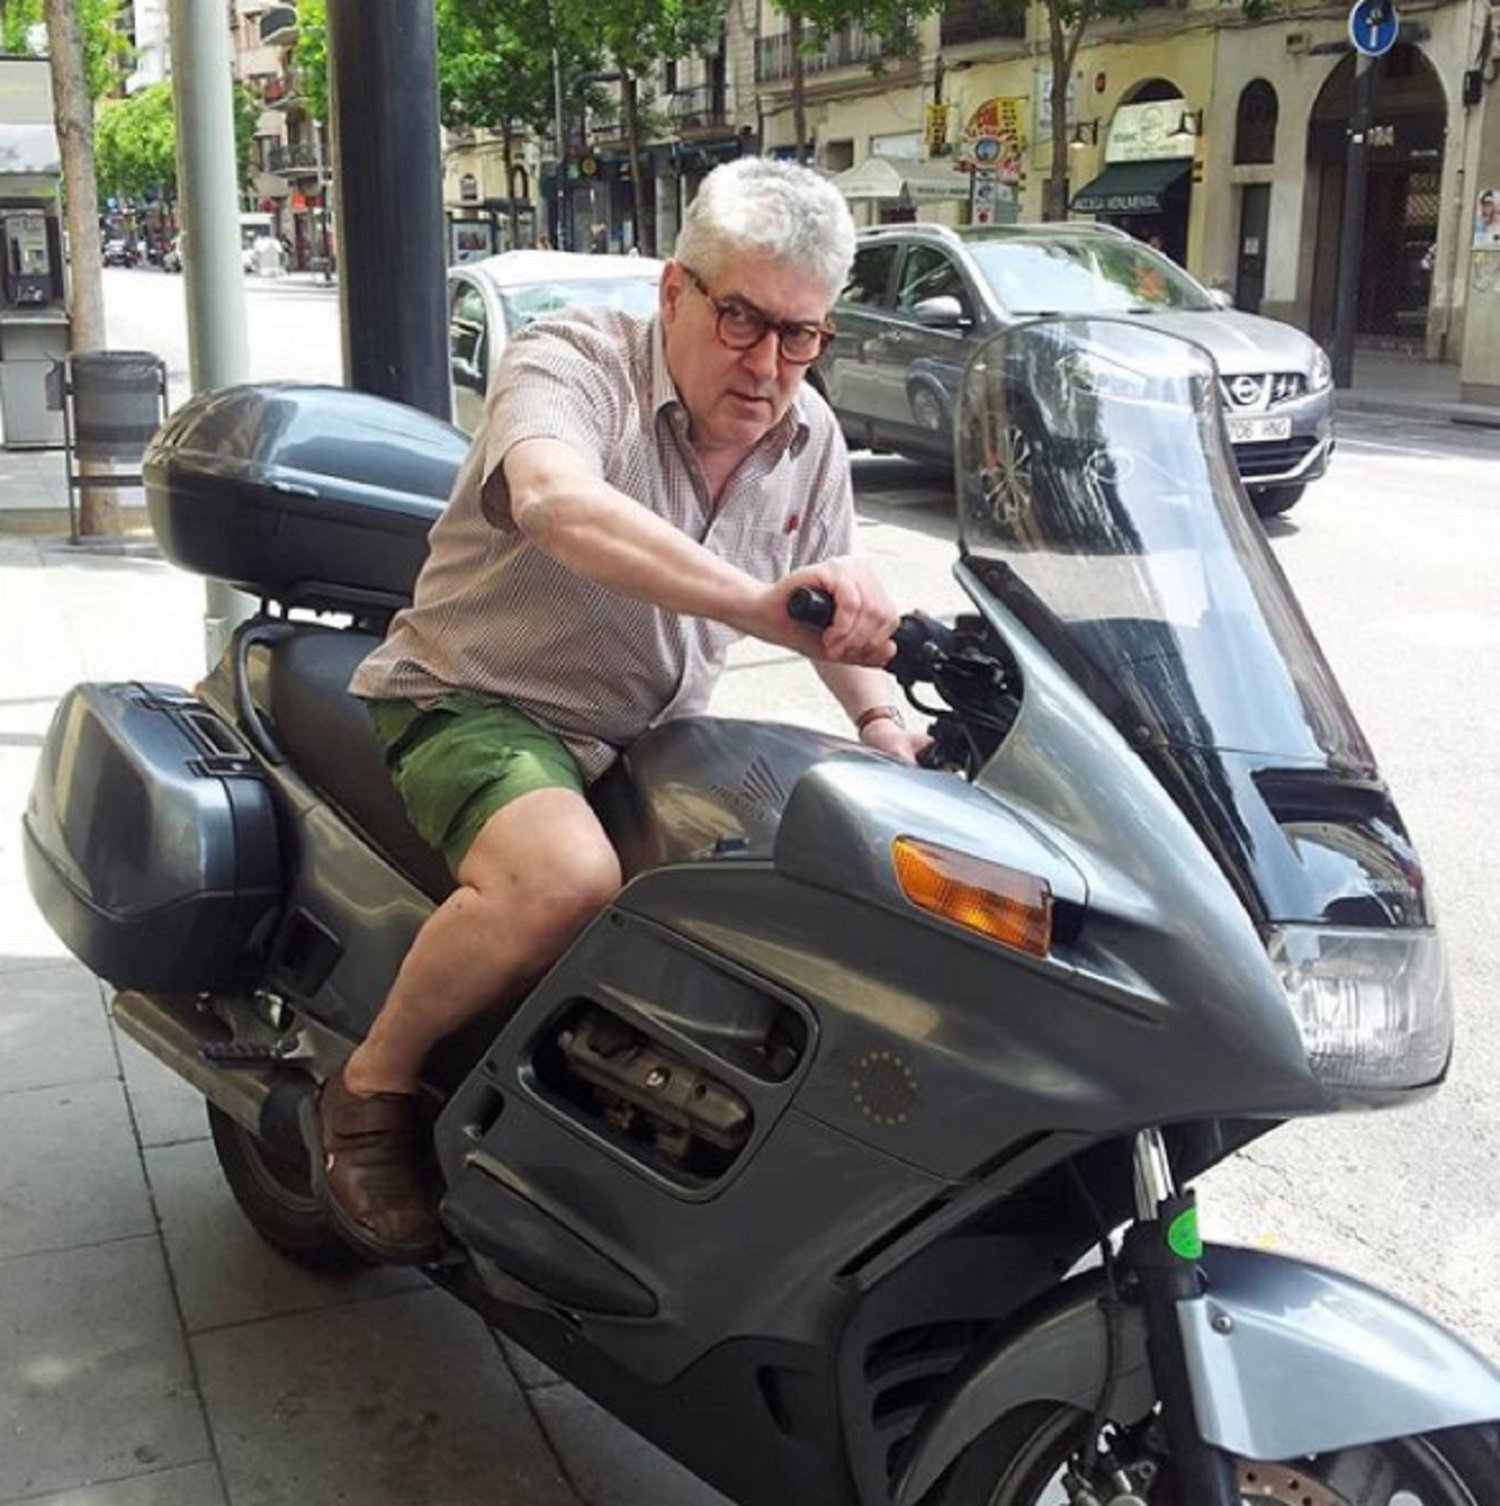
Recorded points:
(1321, 375)
(1373, 1006)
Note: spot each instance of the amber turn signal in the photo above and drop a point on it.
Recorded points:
(1001, 903)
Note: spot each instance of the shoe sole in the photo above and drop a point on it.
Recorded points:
(355, 1233)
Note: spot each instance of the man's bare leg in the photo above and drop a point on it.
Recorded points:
(540, 869)
(537, 873)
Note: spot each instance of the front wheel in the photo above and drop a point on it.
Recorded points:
(1273, 501)
(1030, 1458)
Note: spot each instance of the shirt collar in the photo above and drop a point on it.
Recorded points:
(790, 435)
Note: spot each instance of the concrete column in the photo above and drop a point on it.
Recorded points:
(1480, 371)
(213, 275)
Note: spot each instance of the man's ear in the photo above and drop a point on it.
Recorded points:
(673, 285)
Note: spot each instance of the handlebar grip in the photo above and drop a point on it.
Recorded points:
(811, 608)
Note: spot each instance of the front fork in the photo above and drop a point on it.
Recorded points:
(1162, 1248)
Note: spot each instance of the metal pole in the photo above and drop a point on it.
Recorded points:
(1352, 236)
(560, 130)
(213, 273)
(388, 177)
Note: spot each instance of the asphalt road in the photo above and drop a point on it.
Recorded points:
(1393, 558)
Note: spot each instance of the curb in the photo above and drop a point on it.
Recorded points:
(1471, 415)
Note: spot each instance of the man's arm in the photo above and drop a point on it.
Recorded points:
(585, 524)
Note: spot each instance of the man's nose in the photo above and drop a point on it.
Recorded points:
(764, 357)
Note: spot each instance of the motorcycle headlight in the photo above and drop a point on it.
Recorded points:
(1373, 1006)
(1321, 375)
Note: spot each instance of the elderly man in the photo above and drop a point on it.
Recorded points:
(642, 493)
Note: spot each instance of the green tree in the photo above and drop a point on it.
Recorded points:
(310, 57)
(106, 53)
(135, 142)
(495, 72)
(636, 36)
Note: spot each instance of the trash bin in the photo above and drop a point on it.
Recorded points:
(113, 402)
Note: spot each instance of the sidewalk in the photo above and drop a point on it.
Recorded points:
(1407, 388)
(154, 1351)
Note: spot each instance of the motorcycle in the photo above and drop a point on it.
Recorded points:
(847, 1154)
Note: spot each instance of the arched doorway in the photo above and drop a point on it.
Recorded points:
(1408, 126)
(1146, 185)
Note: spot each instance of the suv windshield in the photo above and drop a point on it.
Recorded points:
(1066, 275)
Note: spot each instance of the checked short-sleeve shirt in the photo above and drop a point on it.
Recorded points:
(495, 616)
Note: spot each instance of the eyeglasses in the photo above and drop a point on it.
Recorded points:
(742, 326)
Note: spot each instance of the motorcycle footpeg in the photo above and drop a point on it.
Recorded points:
(248, 1055)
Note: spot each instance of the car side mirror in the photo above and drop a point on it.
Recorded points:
(942, 312)
(1220, 298)
(466, 374)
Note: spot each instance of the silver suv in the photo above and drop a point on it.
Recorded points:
(921, 298)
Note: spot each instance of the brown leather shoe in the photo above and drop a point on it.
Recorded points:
(366, 1158)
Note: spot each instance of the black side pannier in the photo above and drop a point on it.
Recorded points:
(150, 840)
(310, 496)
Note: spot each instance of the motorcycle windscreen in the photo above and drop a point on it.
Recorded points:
(1099, 503)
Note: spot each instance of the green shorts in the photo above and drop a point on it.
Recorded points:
(457, 762)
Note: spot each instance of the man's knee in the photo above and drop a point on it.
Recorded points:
(542, 878)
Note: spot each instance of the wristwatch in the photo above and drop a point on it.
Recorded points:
(878, 714)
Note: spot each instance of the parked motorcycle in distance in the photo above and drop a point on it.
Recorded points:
(847, 1155)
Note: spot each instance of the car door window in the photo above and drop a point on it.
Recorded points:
(467, 330)
(929, 272)
(870, 277)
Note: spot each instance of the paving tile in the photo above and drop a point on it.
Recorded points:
(72, 1171)
(196, 1485)
(225, 1273)
(95, 1383)
(385, 1403)
(609, 1463)
(26, 940)
(166, 1109)
(53, 1028)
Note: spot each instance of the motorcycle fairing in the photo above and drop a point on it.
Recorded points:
(1099, 508)
(1285, 1360)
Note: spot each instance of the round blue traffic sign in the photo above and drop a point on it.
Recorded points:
(1373, 27)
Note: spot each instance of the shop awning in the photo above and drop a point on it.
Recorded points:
(1131, 187)
(913, 182)
(29, 150)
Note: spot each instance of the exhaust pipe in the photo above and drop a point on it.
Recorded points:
(262, 1100)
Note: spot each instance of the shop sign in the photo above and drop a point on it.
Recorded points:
(1148, 133)
(935, 136)
(993, 141)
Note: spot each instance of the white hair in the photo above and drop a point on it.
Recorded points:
(772, 209)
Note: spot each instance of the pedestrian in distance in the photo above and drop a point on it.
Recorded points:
(643, 491)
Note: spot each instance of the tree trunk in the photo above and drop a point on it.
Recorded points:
(645, 231)
(795, 33)
(508, 148)
(99, 510)
(1063, 44)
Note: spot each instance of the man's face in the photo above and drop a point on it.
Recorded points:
(735, 397)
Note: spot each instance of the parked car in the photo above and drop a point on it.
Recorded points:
(921, 298)
(490, 299)
(119, 251)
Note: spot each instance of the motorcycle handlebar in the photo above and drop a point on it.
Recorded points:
(815, 609)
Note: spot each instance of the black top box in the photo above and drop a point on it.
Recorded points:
(306, 495)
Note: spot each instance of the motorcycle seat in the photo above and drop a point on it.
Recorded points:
(687, 790)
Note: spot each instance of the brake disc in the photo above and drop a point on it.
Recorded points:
(1285, 1485)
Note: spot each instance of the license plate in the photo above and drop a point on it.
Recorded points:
(1258, 430)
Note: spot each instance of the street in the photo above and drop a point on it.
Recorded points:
(1392, 558)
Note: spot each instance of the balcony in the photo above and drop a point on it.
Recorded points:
(849, 47)
(298, 159)
(698, 109)
(978, 21)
